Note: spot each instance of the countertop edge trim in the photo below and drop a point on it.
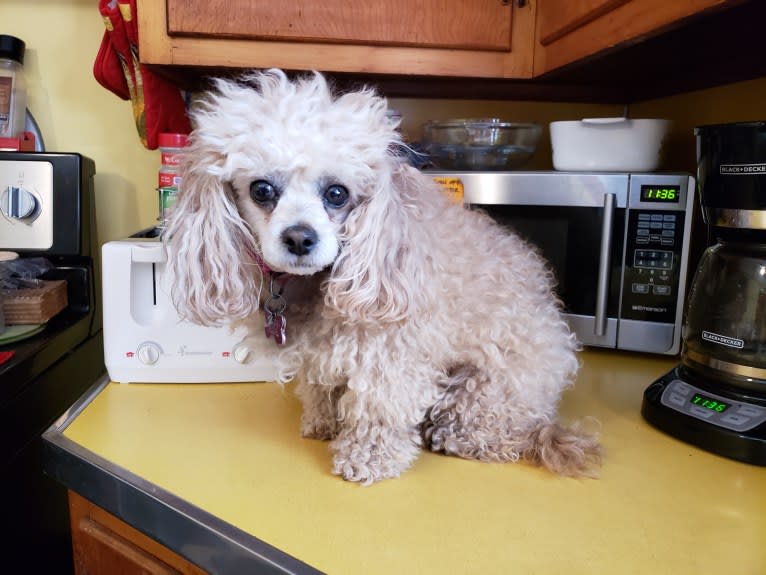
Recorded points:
(207, 541)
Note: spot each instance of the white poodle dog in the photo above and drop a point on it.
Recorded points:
(409, 321)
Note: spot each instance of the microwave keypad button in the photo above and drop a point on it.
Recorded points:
(642, 240)
(653, 259)
(662, 290)
(642, 232)
(640, 288)
(656, 217)
(644, 217)
(668, 241)
(655, 237)
(668, 233)
(655, 225)
(669, 218)
(668, 225)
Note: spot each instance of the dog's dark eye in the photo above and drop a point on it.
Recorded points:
(263, 192)
(336, 195)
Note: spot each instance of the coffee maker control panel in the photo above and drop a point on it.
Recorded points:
(26, 205)
(713, 408)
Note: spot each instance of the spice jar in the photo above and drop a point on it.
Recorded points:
(171, 147)
(13, 90)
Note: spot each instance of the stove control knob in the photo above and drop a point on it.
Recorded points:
(18, 203)
(148, 353)
(241, 353)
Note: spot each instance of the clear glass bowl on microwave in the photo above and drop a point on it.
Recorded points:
(480, 143)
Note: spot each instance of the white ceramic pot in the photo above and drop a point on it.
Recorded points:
(608, 144)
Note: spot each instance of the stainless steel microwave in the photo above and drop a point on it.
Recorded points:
(618, 245)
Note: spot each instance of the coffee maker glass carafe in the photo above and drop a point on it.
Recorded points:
(726, 316)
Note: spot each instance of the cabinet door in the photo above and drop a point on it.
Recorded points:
(560, 17)
(569, 30)
(454, 38)
(464, 24)
(104, 544)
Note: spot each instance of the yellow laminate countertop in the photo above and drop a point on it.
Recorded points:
(235, 451)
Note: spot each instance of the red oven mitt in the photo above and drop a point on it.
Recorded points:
(158, 105)
(108, 69)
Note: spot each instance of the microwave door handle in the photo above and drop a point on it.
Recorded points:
(602, 288)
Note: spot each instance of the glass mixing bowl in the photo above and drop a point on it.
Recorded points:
(480, 143)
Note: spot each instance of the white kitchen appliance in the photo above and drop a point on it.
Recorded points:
(146, 341)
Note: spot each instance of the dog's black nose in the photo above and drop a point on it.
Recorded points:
(300, 239)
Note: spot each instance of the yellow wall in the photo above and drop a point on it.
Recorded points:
(744, 101)
(76, 114)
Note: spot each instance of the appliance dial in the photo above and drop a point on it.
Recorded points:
(18, 203)
(241, 353)
(148, 353)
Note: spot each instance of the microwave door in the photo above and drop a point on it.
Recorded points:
(582, 241)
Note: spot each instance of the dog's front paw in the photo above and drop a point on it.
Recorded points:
(366, 471)
(365, 462)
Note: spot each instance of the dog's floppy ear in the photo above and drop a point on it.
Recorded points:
(381, 270)
(210, 249)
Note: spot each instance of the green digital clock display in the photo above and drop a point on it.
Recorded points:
(709, 403)
(663, 194)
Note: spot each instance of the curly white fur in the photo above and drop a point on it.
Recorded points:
(412, 321)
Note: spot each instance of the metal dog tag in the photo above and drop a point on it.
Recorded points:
(273, 308)
(276, 326)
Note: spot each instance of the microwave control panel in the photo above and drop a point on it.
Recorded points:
(656, 247)
(653, 252)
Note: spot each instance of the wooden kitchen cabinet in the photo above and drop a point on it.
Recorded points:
(613, 51)
(571, 30)
(465, 38)
(105, 545)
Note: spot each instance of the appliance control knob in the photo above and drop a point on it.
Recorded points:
(18, 203)
(241, 353)
(148, 353)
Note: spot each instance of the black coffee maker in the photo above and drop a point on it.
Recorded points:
(716, 397)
